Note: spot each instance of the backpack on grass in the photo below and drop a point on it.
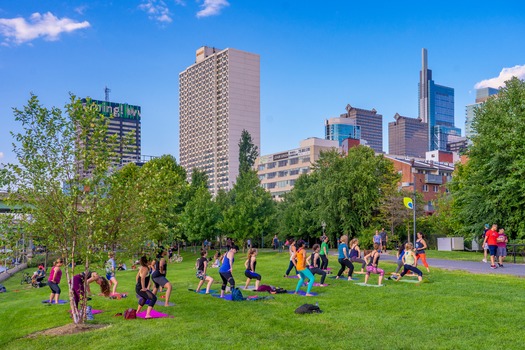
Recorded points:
(130, 314)
(308, 309)
(2, 289)
(237, 295)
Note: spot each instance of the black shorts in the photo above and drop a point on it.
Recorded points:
(55, 288)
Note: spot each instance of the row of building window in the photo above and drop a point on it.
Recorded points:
(434, 188)
(283, 163)
(284, 173)
(278, 184)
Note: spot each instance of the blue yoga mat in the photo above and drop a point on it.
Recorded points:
(60, 301)
(203, 291)
(302, 293)
(369, 285)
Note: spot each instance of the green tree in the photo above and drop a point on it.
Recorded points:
(250, 214)
(64, 161)
(163, 193)
(489, 188)
(200, 217)
(248, 152)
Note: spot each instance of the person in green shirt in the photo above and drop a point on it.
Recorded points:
(324, 254)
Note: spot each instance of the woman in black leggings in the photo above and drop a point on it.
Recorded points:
(142, 288)
(343, 258)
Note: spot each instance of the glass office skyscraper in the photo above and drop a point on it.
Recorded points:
(481, 96)
(436, 108)
(339, 129)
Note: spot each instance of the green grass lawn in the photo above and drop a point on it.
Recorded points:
(451, 310)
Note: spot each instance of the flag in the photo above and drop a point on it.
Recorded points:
(408, 202)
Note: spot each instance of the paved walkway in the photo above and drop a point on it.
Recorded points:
(470, 266)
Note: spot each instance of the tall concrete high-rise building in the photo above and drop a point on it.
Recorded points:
(407, 137)
(436, 108)
(482, 95)
(124, 121)
(219, 98)
(370, 125)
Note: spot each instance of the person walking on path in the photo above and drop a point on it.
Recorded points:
(485, 245)
(377, 238)
(300, 266)
(410, 263)
(491, 238)
(421, 245)
(384, 239)
(343, 260)
(502, 246)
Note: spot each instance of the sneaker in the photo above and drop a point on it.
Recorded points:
(500, 265)
(484, 260)
(493, 267)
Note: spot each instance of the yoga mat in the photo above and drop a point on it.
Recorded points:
(343, 278)
(252, 288)
(292, 276)
(162, 304)
(408, 281)
(60, 301)
(302, 293)
(94, 312)
(229, 297)
(202, 291)
(316, 284)
(369, 285)
(154, 314)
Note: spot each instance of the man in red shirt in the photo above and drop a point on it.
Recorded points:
(491, 238)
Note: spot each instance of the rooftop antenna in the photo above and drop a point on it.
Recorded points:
(106, 92)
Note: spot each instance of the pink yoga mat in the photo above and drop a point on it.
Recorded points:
(154, 314)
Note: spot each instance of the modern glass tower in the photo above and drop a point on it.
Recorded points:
(339, 129)
(482, 95)
(436, 108)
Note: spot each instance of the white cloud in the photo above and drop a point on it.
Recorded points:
(18, 30)
(504, 75)
(1, 155)
(212, 7)
(81, 9)
(156, 10)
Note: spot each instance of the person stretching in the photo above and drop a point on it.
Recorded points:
(355, 254)
(324, 254)
(371, 267)
(399, 255)
(291, 250)
(343, 258)
(110, 271)
(54, 280)
(202, 266)
(82, 281)
(142, 287)
(410, 263)
(313, 263)
(159, 275)
(421, 245)
(300, 266)
(250, 264)
(226, 269)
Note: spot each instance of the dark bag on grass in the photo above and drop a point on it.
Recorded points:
(237, 295)
(280, 290)
(307, 309)
(2, 289)
(130, 314)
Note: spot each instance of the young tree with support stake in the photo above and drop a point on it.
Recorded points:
(62, 175)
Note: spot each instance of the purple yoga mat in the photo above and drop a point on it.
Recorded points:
(301, 293)
(316, 284)
(59, 301)
(292, 276)
(154, 314)
(94, 312)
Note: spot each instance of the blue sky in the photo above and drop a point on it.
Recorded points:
(316, 56)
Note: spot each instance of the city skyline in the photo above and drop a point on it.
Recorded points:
(313, 59)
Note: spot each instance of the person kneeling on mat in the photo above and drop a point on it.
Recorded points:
(410, 263)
